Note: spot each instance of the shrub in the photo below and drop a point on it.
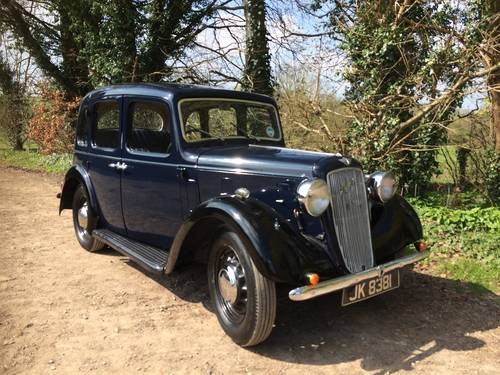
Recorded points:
(472, 234)
(14, 115)
(52, 124)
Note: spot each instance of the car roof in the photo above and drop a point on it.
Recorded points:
(174, 91)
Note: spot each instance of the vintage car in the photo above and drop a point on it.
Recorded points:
(169, 173)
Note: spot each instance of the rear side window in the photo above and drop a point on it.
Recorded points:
(82, 127)
(107, 128)
(148, 128)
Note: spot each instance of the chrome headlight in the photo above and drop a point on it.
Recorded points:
(382, 185)
(314, 195)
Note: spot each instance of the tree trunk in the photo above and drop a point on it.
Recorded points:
(495, 116)
(74, 67)
(494, 78)
(257, 72)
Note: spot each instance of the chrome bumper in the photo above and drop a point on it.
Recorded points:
(307, 292)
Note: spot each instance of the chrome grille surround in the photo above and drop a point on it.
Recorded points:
(349, 210)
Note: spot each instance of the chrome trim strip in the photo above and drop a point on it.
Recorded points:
(307, 292)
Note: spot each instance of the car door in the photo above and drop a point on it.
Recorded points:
(104, 156)
(151, 201)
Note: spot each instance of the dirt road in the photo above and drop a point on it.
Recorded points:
(66, 311)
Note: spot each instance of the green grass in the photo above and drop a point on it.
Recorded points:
(33, 161)
(482, 276)
(445, 177)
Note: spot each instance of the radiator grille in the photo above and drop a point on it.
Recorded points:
(350, 217)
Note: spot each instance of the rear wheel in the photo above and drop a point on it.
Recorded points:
(84, 220)
(244, 299)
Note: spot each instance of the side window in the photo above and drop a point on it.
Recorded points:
(82, 127)
(148, 128)
(107, 127)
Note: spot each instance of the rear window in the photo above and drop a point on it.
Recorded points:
(107, 128)
(82, 127)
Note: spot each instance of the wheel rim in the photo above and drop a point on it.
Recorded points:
(82, 218)
(231, 287)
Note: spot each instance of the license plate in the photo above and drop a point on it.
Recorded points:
(370, 288)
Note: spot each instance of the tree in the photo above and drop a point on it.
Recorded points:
(409, 66)
(87, 43)
(490, 53)
(257, 71)
(16, 75)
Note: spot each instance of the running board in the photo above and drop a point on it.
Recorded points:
(148, 257)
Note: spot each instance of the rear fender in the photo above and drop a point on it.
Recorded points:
(76, 175)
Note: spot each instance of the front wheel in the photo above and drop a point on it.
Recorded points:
(84, 220)
(244, 299)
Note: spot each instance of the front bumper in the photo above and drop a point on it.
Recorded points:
(307, 292)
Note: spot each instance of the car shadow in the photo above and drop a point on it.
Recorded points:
(387, 333)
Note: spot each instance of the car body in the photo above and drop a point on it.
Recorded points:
(170, 173)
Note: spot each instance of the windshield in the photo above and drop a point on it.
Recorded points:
(206, 119)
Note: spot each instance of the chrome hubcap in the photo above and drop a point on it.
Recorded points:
(83, 216)
(231, 286)
(228, 284)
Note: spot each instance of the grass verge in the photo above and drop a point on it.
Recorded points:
(465, 243)
(33, 161)
(482, 276)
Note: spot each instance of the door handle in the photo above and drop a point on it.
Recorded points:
(182, 173)
(119, 166)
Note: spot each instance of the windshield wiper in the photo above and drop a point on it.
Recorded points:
(249, 136)
(220, 138)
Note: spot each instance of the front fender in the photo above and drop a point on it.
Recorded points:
(277, 249)
(76, 175)
(395, 225)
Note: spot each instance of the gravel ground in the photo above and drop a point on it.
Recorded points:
(64, 310)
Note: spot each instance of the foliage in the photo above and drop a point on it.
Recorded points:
(453, 221)
(87, 43)
(466, 243)
(52, 163)
(492, 176)
(311, 120)
(52, 124)
(14, 108)
(473, 143)
(408, 66)
(14, 114)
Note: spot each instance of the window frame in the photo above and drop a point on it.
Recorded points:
(236, 138)
(93, 144)
(86, 127)
(129, 101)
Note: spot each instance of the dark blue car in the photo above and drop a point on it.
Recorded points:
(167, 174)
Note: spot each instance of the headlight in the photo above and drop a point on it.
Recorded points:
(314, 196)
(383, 185)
